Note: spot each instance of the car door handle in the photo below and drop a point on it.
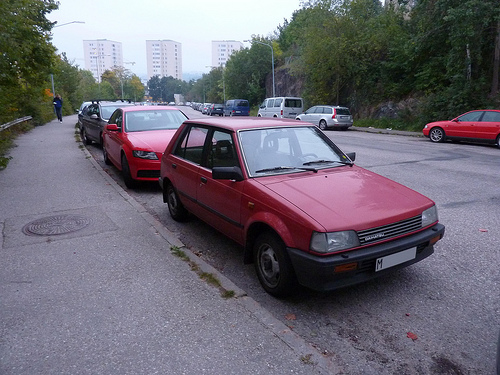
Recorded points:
(174, 166)
(203, 180)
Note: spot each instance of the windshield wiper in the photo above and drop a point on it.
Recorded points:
(274, 169)
(323, 161)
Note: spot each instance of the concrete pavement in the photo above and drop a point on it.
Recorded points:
(89, 284)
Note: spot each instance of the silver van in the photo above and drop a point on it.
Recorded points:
(281, 107)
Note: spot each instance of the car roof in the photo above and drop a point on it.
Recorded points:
(139, 108)
(246, 123)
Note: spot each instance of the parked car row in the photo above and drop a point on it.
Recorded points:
(232, 107)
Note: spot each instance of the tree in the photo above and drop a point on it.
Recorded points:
(26, 55)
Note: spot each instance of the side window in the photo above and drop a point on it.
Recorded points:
(263, 105)
(222, 153)
(270, 103)
(473, 116)
(92, 110)
(191, 145)
(277, 102)
(491, 116)
(116, 118)
(328, 110)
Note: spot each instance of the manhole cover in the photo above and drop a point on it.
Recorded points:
(55, 225)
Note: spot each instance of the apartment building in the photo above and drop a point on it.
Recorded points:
(164, 58)
(101, 55)
(222, 49)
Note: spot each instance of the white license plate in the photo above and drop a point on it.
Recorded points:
(395, 259)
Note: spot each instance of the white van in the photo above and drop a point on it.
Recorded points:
(281, 107)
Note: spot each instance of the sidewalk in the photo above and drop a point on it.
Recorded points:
(88, 284)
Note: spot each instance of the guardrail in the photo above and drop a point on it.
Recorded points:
(18, 121)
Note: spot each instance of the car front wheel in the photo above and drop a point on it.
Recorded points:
(436, 135)
(273, 266)
(85, 138)
(127, 175)
(105, 155)
(175, 206)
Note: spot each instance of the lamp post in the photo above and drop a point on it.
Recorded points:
(67, 23)
(52, 75)
(272, 58)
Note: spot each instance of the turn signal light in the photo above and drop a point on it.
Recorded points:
(345, 267)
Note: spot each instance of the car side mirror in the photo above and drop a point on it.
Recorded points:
(227, 173)
(112, 127)
(351, 155)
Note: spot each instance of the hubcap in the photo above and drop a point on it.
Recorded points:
(269, 265)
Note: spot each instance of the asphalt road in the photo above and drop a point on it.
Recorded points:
(439, 316)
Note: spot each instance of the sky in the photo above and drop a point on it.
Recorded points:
(193, 23)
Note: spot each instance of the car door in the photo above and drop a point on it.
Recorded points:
(114, 139)
(465, 126)
(489, 126)
(220, 200)
(311, 116)
(185, 162)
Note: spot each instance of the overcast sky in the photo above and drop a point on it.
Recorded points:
(193, 23)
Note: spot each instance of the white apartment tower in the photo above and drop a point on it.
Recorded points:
(222, 49)
(164, 58)
(101, 55)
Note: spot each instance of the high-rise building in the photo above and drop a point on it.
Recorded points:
(101, 55)
(164, 58)
(222, 49)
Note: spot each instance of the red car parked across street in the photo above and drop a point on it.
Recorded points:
(477, 126)
(300, 207)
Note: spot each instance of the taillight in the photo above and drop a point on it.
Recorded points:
(334, 113)
(281, 113)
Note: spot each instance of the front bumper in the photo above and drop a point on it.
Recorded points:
(318, 273)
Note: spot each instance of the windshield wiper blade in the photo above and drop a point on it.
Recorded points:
(323, 161)
(282, 168)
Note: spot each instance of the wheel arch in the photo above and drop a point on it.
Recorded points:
(257, 228)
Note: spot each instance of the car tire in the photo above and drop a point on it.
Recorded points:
(436, 135)
(127, 175)
(322, 124)
(273, 266)
(177, 210)
(84, 137)
(498, 141)
(105, 155)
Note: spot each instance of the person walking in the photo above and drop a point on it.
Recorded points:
(58, 102)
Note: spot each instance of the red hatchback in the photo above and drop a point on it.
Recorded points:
(135, 138)
(300, 207)
(477, 126)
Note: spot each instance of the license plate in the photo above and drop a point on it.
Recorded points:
(395, 259)
(238, 111)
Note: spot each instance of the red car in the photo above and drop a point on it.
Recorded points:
(477, 126)
(300, 207)
(135, 138)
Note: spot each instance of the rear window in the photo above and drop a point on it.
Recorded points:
(293, 103)
(343, 111)
(241, 103)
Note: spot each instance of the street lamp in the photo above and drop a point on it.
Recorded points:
(67, 23)
(272, 58)
(52, 75)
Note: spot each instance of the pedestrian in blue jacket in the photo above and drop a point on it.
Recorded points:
(58, 106)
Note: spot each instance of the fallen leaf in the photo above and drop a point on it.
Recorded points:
(412, 336)
(290, 317)
(483, 230)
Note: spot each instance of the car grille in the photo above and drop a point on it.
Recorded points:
(389, 231)
(148, 174)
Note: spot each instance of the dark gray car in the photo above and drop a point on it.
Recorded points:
(94, 118)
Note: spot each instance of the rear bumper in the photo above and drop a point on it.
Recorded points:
(318, 273)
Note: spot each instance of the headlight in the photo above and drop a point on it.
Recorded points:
(145, 155)
(333, 241)
(429, 216)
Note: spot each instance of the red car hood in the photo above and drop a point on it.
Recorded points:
(348, 197)
(151, 140)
